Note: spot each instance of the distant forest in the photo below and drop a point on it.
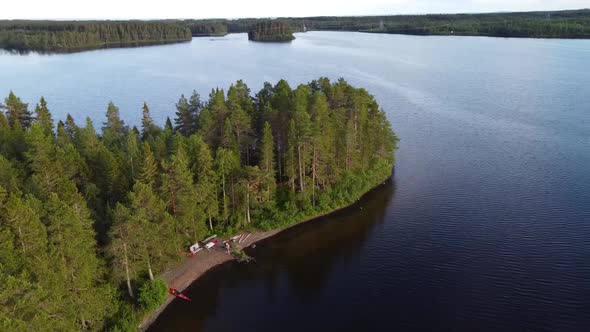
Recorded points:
(80, 35)
(554, 24)
(51, 36)
(91, 216)
(208, 27)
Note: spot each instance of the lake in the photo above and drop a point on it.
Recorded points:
(485, 225)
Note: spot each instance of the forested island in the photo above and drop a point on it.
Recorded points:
(89, 217)
(69, 36)
(271, 31)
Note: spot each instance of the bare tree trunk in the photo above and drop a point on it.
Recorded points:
(22, 242)
(150, 268)
(301, 187)
(224, 200)
(233, 197)
(280, 168)
(210, 223)
(248, 203)
(313, 177)
(126, 262)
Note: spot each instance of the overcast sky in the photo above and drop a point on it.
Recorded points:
(156, 9)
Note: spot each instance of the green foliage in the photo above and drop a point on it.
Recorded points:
(235, 162)
(542, 24)
(51, 36)
(203, 28)
(271, 31)
(153, 293)
(126, 320)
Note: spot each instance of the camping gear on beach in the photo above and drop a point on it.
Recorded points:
(211, 244)
(195, 248)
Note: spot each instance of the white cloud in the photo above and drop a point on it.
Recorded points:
(148, 9)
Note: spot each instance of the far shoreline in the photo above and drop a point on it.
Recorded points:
(193, 269)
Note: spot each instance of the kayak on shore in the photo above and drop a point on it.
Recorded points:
(178, 294)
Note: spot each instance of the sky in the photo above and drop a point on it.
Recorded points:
(157, 9)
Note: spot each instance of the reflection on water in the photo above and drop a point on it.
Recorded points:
(297, 262)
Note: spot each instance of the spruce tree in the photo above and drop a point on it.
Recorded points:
(43, 117)
(184, 121)
(148, 128)
(148, 172)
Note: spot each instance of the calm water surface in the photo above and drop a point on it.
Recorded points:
(485, 226)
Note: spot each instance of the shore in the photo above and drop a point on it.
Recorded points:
(181, 276)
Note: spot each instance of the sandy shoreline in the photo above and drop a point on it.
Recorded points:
(181, 276)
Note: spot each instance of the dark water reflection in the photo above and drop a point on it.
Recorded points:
(293, 274)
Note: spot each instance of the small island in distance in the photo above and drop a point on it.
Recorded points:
(271, 31)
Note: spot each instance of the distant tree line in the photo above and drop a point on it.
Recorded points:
(82, 35)
(51, 36)
(271, 31)
(89, 218)
(549, 24)
(207, 28)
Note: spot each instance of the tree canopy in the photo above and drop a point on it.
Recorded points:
(83, 35)
(89, 220)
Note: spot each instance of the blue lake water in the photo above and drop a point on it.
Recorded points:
(485, 226)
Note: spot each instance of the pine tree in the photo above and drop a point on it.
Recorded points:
(206, 188)
(143, 237)
(291, 155)
(132, 153)
(17, 111)
(114, 128)
(195, 106)
(266, 163)
(226, 163)
(178, 193)
(184, 121)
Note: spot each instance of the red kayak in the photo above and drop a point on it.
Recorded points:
(176, 293)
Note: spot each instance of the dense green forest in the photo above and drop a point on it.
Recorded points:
(83, 35)
(88, 218)
(271, 31)
(208, 28)
(549, 24)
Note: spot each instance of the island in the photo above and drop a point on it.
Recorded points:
(71, 36)
(271, 31)
(91, 218)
